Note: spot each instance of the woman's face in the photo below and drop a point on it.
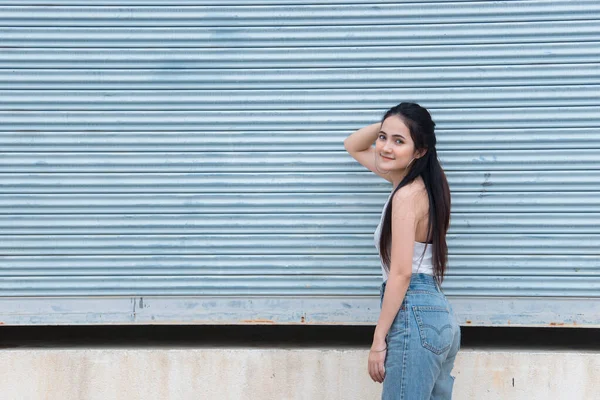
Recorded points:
(394, 146)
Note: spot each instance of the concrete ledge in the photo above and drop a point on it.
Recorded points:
(261, 373)
(331, 310)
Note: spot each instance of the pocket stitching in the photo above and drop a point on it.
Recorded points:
(421, 325)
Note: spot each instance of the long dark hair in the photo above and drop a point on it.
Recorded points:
(421, 126)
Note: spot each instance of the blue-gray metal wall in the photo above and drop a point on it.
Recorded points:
(183, 162)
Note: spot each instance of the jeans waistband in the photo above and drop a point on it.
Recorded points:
(420, 281)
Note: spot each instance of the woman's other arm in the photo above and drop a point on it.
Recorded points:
(359, 146)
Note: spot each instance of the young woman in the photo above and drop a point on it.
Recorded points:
(417, 335)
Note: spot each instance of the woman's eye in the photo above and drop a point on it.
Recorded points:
(399, 141)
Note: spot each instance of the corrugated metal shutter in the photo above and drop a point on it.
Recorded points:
(183, 162)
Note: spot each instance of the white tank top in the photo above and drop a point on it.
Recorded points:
(422, 263)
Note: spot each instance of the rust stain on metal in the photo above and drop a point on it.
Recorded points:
(557, 324)
(468, 321)
(303, 319)
(258, 321)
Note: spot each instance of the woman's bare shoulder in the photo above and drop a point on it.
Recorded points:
(412, 197)
(412, 189)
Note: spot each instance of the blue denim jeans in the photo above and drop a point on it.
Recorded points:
(422, 344)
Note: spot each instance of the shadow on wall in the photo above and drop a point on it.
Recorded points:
(280, 336)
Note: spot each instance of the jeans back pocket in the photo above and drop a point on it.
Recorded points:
(435, 327)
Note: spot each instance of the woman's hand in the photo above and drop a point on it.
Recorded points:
(377, 363)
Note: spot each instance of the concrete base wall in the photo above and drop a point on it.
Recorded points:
(259, 373)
